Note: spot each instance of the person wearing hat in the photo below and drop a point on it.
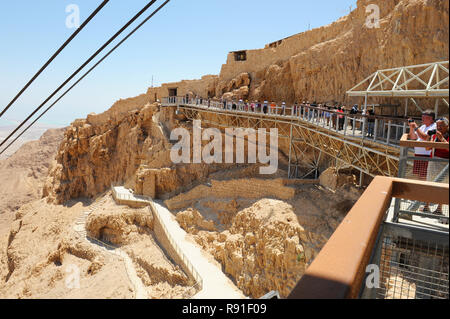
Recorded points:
(421, 134)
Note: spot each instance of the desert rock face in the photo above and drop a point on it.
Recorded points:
(133, 231)
(103, 149)
(127, 144)
(43, 249)
(26, 170)
(265, 244)
(262, 250)
(324, 63)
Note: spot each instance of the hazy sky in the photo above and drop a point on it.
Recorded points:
(187, 39)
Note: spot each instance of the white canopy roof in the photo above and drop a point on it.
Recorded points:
(417, 81)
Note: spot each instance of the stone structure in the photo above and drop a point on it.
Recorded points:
(323, 63)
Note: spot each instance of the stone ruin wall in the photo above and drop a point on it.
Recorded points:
(323, 63)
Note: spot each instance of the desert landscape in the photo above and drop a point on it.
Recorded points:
(39, 226)
(65, 233)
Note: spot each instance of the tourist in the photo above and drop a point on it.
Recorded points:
(371, 124)
(313, 112)
(321, 112)
(436, 168)
(295, 109)
(310, 111)
(327, 115)
(340, 118)
(353, 112)
(273, 108)
(265, 107)
(283, 108)
(420, 168)
(441, 136)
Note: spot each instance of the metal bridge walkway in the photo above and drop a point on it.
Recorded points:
(371, 156)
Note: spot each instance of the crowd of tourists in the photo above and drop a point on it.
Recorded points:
(431, 130)
(332, 114)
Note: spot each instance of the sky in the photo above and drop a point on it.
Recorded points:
(185, 40)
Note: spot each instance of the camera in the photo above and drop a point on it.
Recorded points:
(431, 132)
(410, 121)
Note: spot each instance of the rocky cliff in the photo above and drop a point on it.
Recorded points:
(127, 145)
(324, 63)
(109, 148)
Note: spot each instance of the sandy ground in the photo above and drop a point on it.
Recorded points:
(41, 253)
(26, 170)
(34, 133)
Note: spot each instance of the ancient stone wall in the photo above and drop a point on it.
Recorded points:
(324, 63)
(240, 188)
(205, 87)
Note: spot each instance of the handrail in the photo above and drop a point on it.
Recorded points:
(381, 129)
(195, 274)
(176, 247)
(176, 100)
(405, 142)
(339, 269)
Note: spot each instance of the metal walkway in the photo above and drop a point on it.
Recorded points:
(337, 135)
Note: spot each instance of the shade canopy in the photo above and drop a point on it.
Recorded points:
(417, 81)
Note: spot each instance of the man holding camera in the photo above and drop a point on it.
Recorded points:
(435, 169)
(420, 168)
(421, 134)
(439, 136)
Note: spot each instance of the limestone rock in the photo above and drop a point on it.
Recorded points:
(262, 250)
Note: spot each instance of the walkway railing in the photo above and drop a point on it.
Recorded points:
(195, 274)
(380, 129)
(370, 256)
(431, 169)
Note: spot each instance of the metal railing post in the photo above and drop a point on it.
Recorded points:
(389, 133)
(375, 130)
(364, 126)
(345, 124)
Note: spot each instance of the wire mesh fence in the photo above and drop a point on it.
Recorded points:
(431, 169)
(424, 212)
(413, 269)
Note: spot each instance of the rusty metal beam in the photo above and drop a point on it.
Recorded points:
(339, 269)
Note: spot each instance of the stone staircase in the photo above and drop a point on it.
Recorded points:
(80, 222)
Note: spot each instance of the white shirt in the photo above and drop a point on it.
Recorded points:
(424, 129)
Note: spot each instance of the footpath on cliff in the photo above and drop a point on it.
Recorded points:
(215, 285)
